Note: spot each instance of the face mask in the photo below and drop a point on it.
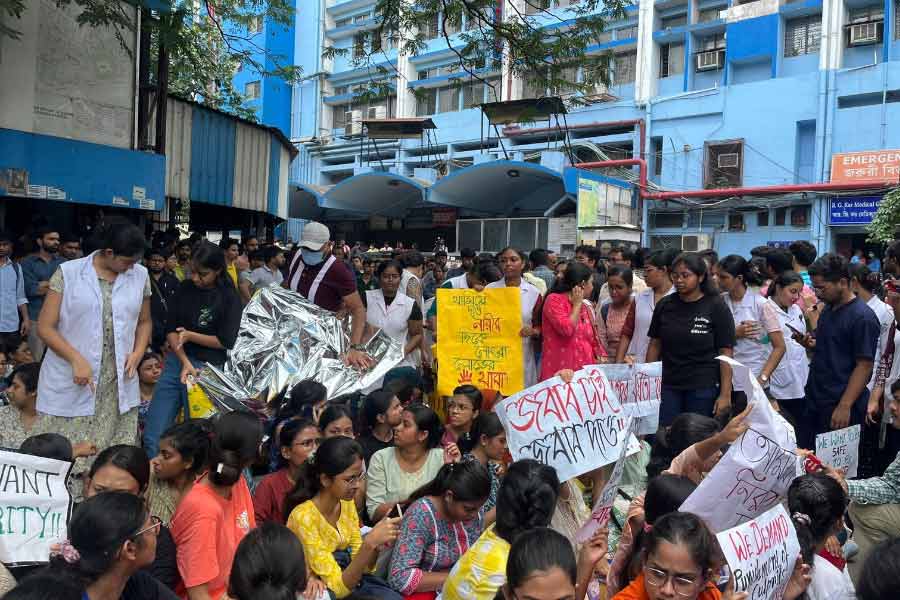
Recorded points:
(311, 257)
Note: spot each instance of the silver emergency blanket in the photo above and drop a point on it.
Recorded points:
(285, 339)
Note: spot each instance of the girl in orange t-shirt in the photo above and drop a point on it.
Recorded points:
(217, 512)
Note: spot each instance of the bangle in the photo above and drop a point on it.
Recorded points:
(358, 347)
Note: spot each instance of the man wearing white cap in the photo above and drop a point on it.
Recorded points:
(325, 281)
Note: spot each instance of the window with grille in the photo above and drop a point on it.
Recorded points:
(343, 22)
(256, 25)
(627, 33)
(252, 90)
(570, 77)
(802, 36)
(341, 90)
(362, 18)
(530, 89)
(338, 116)
(533, 7)
(709, 14)
(473, 94)
(425, 101)
(604, 37)
(672, 22)
(594, 70)
(762, 218)
(713, 42)
(780, 214)
(668, 219)
(866, 14)
(625, 64)
(671, 59)
(800, 216)
(359, 45)
(448, 99)
(724, 164)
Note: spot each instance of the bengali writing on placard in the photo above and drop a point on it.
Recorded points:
(574, 427)
(639, 389)
(478, 340)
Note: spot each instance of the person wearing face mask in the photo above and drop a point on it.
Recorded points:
(163, 286)
(326, 281)
(96, 324)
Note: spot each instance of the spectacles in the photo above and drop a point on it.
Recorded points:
(309, 443)
(682, 585)
(155, 523)
(459, 406)
(356, 479)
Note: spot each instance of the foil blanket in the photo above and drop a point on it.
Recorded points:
(285, 339)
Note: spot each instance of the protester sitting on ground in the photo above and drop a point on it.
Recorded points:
(126, 468)
(880, 576)
(336, 420)
(681, 550)
(48, 445)
(485, 442)
(542, 565)
(307, 399)
(149, 370)
(20, 418)
(462, 410)
(202, 327)
(269, 565)
(297, 441)
(665, 493)
(414, 460)
(615, 319)
(17, 350)
(183, 452)
(48, 585)
(112, 543)
(442, 521)
(381, 413)
(816, 503)
(217, 512)
(526, 500)
(321, 513)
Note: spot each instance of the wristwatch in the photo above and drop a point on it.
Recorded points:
(358, 347)
(764, 379)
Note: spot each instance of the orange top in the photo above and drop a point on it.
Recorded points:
(636, 591)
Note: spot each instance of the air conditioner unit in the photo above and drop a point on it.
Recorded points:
(353, 122)
(377, 112)
(865, 33)
(731, 159)
(710, 60)
(696, 242)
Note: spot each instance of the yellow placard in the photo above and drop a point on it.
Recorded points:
(478, 340)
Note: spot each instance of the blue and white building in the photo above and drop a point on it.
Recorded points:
(712, 94)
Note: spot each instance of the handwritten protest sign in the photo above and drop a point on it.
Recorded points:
(638, 387)
(603, 507)
(574, 427)
(478, 340)
(840, 448)
(761, 554)
(34, 506)
(755, 472)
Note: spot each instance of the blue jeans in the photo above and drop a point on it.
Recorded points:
(674, 402)
(169, 397)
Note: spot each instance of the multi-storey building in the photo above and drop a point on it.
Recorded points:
(713, 94)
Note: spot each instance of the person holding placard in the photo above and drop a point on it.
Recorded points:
(570, 337)
(657, 275)
(689, 329)
(788, 381)
(817, 503)
(512, 262)
(760, 342)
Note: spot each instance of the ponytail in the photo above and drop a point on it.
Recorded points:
(486, 424)
(468, 480)
(816, 502)
(235, 443)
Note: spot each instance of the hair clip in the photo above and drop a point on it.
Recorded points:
(219, 468)
(802, 518)
(648, 527)
(67, 551)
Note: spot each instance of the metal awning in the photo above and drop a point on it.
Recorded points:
(305, 201)
(376, 193)
(500, 187)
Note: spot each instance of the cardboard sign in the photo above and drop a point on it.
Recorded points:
(478, 340)
(34, 507)
(761, 554)
(639, 389)
(840, 449)
(753, 476)
(574, 427)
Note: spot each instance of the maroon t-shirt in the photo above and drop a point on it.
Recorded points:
(268, 499)
(337, 283)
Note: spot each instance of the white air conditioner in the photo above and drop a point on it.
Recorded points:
(731, 159)
(865, 33)
(353, 122)
(710, 60)
(377, 112)
(696, 242)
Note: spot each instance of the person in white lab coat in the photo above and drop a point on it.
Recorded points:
(787, 385)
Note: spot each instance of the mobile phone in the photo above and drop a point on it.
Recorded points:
(795, 330)
(396, 512)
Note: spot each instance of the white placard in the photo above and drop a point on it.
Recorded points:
(34, 506)
(574, 427)
(761, 554)
(840, 448)
(753, 476)
(639, 389)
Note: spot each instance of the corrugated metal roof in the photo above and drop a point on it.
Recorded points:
(251, 168)
(212, 158)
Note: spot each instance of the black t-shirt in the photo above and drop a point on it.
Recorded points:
(371, 444)
(215, 311)
(691, 334)
(165, 566)
(142, 586)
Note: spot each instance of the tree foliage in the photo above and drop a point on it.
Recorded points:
(536, 41)
(886, 222)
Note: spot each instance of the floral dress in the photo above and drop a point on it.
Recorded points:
(107, 426)
(428, 543)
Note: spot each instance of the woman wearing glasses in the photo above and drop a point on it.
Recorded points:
(112, 541)
(297, 440)
(217, 512)
(322, 514)
(125, 468)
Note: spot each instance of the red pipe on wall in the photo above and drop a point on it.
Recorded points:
(727, 192)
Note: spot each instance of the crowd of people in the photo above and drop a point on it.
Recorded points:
(378, 496)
